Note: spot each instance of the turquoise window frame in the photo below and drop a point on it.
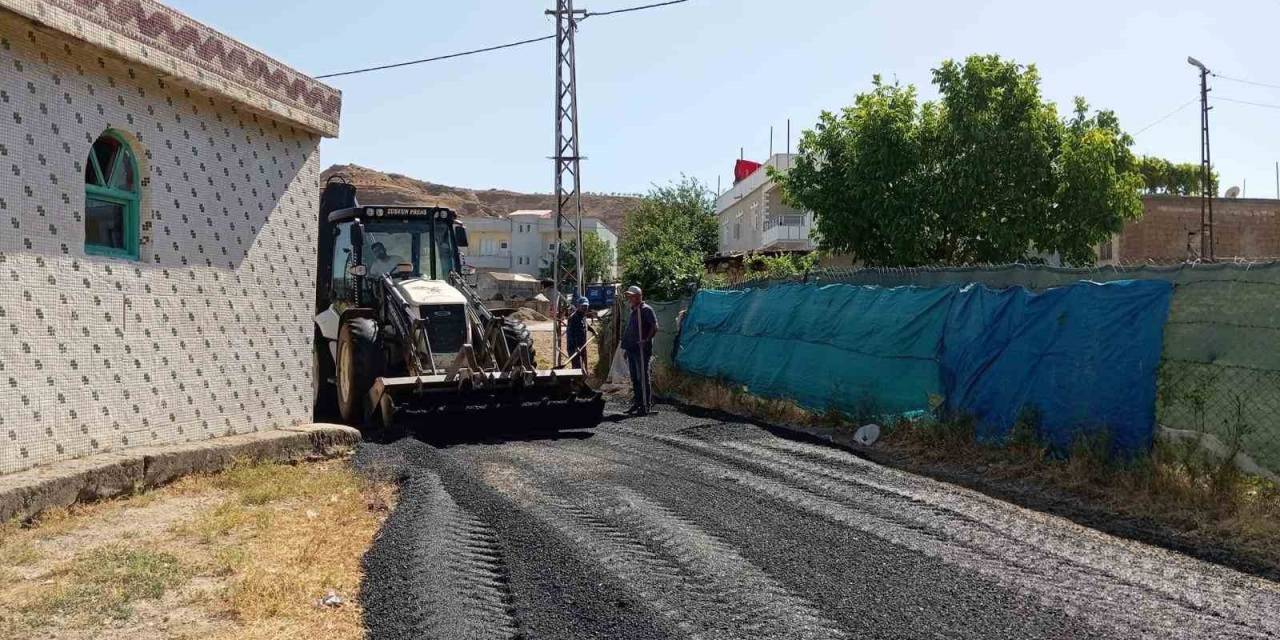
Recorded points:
(128, 200)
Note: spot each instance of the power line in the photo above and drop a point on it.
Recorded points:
(1167, 115)
(444, 57)
(1254, 104)
(495, 47)
(1243, 81)
(629, 9)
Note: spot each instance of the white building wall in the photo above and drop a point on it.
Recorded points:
(209, 333)
(747, 210)
(526, 243)
(532, 237)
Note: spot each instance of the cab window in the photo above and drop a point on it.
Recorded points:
(342, 259)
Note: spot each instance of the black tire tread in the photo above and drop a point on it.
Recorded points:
(370, 362)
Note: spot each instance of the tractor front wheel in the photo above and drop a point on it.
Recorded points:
(360, 362)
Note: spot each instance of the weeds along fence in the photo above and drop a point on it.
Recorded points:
(1219, 371)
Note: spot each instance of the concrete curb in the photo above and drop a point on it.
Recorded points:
(27, 493)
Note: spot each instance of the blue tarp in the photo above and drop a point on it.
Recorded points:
(1083, 356)
(837, 346)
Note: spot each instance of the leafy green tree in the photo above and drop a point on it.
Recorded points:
(779, 267)
(666, 236)
(987, 173)
(597, 257)
(1160, 176)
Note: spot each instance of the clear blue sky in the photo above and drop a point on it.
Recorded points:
(679, 89)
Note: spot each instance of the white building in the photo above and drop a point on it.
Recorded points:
(158, 190)
(754, 218)
(524, 242)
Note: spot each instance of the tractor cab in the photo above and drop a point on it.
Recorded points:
(403, 242)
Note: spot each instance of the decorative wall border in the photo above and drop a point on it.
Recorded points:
(155, 35)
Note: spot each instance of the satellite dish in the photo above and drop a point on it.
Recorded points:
(1233, 192)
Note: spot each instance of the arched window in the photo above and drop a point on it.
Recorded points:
(111, 198)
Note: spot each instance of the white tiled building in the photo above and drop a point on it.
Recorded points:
(524, 242)
(158, 193)
(754, 218)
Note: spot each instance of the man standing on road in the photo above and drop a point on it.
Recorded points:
(637, 342)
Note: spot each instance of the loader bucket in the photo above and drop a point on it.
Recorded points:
(528, 400)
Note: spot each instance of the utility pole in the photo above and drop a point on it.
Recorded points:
(568, 160)
(1207, 239)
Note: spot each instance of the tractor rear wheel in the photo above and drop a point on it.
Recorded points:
(360, 362)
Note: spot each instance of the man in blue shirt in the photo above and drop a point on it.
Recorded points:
(637, 343)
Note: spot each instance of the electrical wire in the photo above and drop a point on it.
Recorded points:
(1254, 104)
(1167, 116)
(629, 9)
(1243, 81)
(495, 47)
(444, 57)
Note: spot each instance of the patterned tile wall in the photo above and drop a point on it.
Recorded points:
(209, 333)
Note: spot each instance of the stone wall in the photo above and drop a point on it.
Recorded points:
(209, 332)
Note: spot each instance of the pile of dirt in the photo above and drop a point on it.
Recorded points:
(525, 314)
(377, 187)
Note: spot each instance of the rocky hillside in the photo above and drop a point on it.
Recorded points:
(376, 187)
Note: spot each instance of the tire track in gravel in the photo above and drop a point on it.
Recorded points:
(446, 577)
(1198, 585)
(690, 576)
(1063, 584)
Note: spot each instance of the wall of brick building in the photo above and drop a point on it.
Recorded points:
(1246, 228)
(209, 333)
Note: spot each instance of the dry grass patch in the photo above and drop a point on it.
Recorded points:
(247, 553)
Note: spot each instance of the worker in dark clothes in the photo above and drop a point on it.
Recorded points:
(637, 343)
(576, 333)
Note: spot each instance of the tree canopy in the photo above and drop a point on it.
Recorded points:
(597, 256)
(666, 236)
(988, 173)
(1163, 177)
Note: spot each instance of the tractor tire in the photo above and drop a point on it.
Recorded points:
(516, 333)
(324, 393)
(360, 362)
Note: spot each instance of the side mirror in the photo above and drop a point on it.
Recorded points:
(460, 236)
(358, 270)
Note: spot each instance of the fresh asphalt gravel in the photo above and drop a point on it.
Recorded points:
(676, 526)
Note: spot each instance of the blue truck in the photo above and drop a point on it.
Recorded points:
(601, 296)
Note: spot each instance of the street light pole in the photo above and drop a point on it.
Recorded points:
(1207, 188)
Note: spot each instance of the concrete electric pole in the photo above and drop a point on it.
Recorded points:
(568, 160)
(1207, 239)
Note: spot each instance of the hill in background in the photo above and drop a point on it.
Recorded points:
(377, 187)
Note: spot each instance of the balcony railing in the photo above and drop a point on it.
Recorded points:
(489, 262)
(795, 235)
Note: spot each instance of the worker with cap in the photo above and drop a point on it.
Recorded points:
(637, 343)
(576, 333)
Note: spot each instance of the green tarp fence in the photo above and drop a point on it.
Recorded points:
(1220, 369)
(1083, 356)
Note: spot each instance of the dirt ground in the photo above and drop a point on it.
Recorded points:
(248, 553)
(543, 339)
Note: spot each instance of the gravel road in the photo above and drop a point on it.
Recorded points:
(675, 526)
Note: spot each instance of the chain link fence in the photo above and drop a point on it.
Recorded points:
(1220, 369)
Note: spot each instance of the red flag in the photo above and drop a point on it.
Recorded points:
(744, 168)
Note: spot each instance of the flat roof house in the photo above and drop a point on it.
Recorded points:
(525, 242)
(753, 217)
(158, 190)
